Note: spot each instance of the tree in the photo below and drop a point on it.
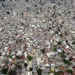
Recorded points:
(2, 0)
(61, 34)
(66, 61)
(58, 73)
(39, 71)
(12, 72)
(4, 70)
(69, 71)
(73, 42)
(70, 59)
(63, 51)
(18, 66)
(18, 57)
(49, 28)
(59, 43)
(27, 0)
(29, 58)
(62, 55)
(25, 64)
(31, 68)
(55, 49)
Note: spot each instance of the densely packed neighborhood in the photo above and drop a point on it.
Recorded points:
(37, 37)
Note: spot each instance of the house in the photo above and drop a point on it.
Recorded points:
(29, 73)
(52, 64)
(39, 61)
(66, 73)
(51, 74)
(67, 46)
(29, 65)
(52, 67)
(12, 72)
(59, 50)
(73, 67)
(25, 54)
(62, 68)
(67, 58)
(73, 58)
(50, 54)
(19, 53)
(55, 53)
(73, 73)
(57, 69)
(43, 66)
(47, 64)
(12, 53)
(3, 53)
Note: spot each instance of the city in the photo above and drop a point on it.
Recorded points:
(37, 37)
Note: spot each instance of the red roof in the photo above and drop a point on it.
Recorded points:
(66, 73)
(61, 74)
(9, 49)
(73, 73)
(73, 67)
(74, 59)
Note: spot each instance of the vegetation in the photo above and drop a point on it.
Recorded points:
(69, 71)
(31, 68)
(39, 71)
(59, 43)
(25, 64)
(55, 49)
(49, 72)
(58, 73)
(73, 42)
(18, 57)
(18, 66)
(61, 34)
(29, 58)
(66, 33)
(49, 28)
(56, 32)
(70, 59)
(62, 55)
(4, 70)
(63, 51)
(12, 72)
(10, 56)
(27, 0)
(66, 61)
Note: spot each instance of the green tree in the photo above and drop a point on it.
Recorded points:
(73, 42)
(4, 70)
(29, 58)
(39, 71)
(18, 66)
(55, 48)
(59, 43)
(58, 73)
(66, 61)
(18, 57)
(69, 71)
(62, 55)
